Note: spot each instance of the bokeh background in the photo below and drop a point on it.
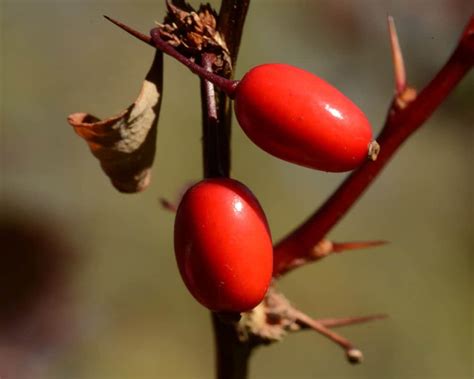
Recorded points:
(89, 284)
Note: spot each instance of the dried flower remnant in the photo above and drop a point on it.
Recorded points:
(275, 317)
(193, 31)
(125, 144)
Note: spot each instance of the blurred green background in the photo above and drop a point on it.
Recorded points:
(123, 311)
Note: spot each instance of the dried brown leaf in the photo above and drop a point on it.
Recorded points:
(125, 144)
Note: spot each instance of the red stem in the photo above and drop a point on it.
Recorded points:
(400, 124)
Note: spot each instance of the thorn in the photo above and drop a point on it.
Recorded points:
(353, 355)
(168, 205)
(397, 58)
(337, 322)
(142, 37)
(326, 247)
(355, 245)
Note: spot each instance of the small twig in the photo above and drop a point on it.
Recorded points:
(400, 124)
(172, 205)
(207, 61)
(168, 205)
(353, 355)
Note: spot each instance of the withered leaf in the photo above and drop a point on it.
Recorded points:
(125, 144)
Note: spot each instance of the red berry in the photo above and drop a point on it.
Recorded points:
(223, 245)
(296, 116)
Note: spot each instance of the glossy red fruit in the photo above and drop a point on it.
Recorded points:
(296, 116)
(223, 245)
